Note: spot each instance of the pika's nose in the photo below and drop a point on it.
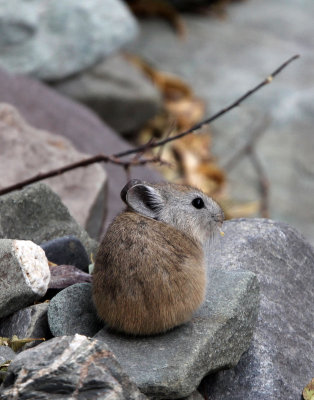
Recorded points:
(219, 217)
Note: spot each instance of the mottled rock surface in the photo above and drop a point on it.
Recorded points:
(26, 151)
(30, 322)
(279, 362)
(67, 250)
(55, 39)
(62, 276)
(172, 365)
(68, 367)
(46, 109)
(24, 274)
(117, 91)
(6, 353)
(72, 311)
(36, 213)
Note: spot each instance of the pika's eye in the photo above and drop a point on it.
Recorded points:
(198, 203)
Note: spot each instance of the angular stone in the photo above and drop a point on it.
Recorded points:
(72, 311)
(279, 362)
(67, 250)
(117, 91)
(59, 39)
(26, 151)
(46, 109)
(68, 367)
(172, 365)
(30, 322)
(62, 276)
(37, 213)
(6, 354)
(24, 274)
(194, 396)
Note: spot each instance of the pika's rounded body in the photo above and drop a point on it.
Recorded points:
(149, 274)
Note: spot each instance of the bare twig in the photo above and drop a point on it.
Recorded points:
(217, 115)
(115, 158)
(263, 185)
(81, 163)
(248, 146)
(248, 149)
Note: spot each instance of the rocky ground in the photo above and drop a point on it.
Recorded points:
(252, 337)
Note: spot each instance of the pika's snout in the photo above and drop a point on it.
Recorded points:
(219, 217)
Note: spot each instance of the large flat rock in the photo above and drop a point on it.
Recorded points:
(279, 362)
(171, 365)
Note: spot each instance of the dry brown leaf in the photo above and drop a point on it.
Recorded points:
(190, 157)
(187, 111)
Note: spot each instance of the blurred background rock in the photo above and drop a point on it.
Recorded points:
(161, 74)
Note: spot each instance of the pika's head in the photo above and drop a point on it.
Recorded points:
(184, 207)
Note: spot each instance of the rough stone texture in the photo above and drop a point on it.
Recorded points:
(221, 60)
(72, 311)
(63, 276)
(117, 91)
(24, 275)
(59, 38)
(194, 396)
(36, 213)
(68, 367)
(172, 365)
(30, 322)
(67, 250)
(6, 353)
(279, 362)
(48, 110)
(26, 151)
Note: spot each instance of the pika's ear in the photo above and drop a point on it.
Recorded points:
(145, 200)
(128, 186)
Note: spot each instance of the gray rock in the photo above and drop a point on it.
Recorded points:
(62, 276)
(194, 396)
(36, 213)
(30, 322)
(58, 39)
(47, 109)
(27, 150)
(68, 367)
(67, 250)
(117, 91)
(6, 354)
(72, 311)
(279, 362)
(172, 365)
(236, 54)
(24, 274)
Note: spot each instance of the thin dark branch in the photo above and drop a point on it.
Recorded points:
(248, 145)
(81, 163)
(215, 116)
(263, 184)
(115, 158)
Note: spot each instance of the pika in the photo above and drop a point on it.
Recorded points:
(150, 273)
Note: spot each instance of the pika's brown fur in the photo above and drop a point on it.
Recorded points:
(149, 275)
